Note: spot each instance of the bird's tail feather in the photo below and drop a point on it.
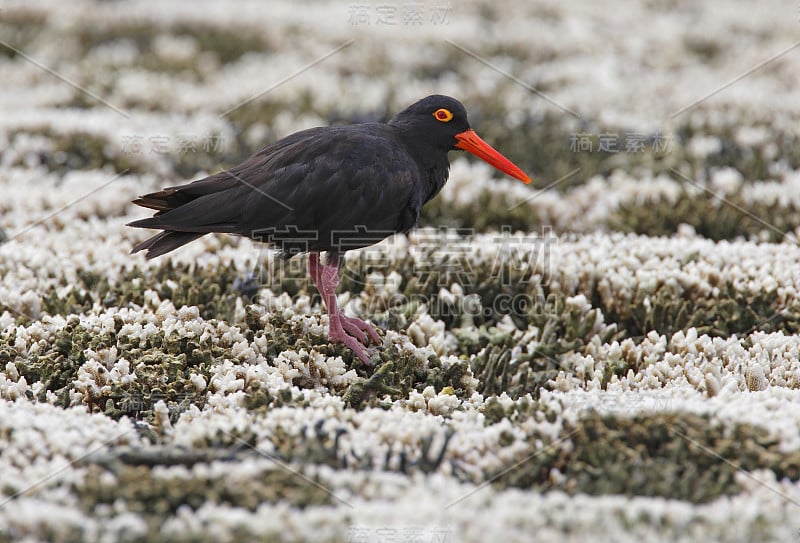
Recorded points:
(164, 242)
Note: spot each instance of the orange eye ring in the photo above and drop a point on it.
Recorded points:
(443, 115)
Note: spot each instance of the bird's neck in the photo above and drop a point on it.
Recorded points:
(434, 166)
(436, 174)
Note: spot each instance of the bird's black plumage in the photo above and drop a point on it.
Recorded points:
(325, 189)
(322, 189)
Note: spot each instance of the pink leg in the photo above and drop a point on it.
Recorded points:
(313, 269)
(351, 325)
(343, 329)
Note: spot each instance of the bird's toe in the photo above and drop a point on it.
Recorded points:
(360, 329)
(352, 342)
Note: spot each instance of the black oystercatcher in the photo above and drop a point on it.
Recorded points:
(326, 189)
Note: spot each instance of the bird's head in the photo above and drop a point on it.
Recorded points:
(441, 122)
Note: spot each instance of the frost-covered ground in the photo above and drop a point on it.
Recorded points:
(611, 354)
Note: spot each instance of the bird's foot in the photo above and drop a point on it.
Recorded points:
(351, 331)
(357, 328)
(338, 335)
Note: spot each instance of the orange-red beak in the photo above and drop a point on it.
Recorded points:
(468, 140)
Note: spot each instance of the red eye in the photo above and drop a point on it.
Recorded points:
(443, 115)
